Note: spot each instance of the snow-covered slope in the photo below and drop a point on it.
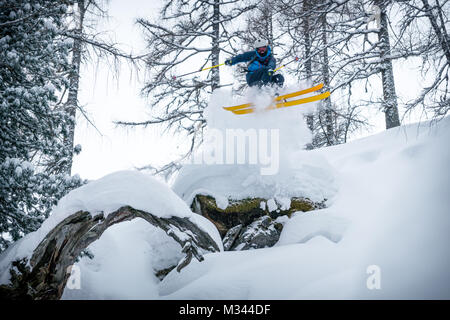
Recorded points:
(392, 211)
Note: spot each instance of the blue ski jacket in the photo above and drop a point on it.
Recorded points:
(256, 61)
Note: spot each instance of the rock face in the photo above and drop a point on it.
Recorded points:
(45, 275)
(231, 236)
(261, 233)
(238, 212)
(249, 223)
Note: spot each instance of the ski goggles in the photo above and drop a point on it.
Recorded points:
(261, 50)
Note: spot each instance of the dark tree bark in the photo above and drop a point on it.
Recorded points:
(329, 119)
(441, 33)
(48, 275)
(215, 52)
(387, 74)
(74, 82)
(308, 61)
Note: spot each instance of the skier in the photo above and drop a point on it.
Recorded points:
(261, 65)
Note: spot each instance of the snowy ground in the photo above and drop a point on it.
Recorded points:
(388, 211)
(391, 212)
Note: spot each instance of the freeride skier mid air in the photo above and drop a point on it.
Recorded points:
(261, 65)
(261, 68)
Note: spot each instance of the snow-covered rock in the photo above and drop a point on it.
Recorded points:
(84, 214)
(311, 178)
(261, 233)
(225, 179)
(244, 212)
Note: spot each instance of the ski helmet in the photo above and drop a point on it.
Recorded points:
(259, 43)
(262, 48)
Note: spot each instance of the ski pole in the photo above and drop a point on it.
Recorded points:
(207, 68)
(217, 65)
(284, 65)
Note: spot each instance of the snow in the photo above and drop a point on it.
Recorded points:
(389, 212)
(285, 202)
(50, 87)
(296, 173)
(304, 226)
(18, 171)
(105, 195)
(271, 205)
(124, 262)
(49, 25)
(270, 273)
(115, 190)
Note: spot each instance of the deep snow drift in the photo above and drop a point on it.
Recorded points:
(294, 172)
(392, 211)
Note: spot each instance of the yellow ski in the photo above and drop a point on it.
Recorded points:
(286, 103)
(279, 98)
(299, 93)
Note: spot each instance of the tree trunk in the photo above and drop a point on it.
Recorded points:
(308, 63)
(74, 81)
(441, 34)
(215, 75)
(387, 74)
(326, 81)
(268, 17)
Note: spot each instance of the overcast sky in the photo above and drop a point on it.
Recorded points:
(107, 99)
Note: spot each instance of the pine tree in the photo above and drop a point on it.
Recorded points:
(33, 68)
(307, 54)
(327, 106)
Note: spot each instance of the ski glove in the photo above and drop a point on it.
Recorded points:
(228, 62)
(270, 72)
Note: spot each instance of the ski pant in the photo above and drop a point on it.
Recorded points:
(261, 77)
